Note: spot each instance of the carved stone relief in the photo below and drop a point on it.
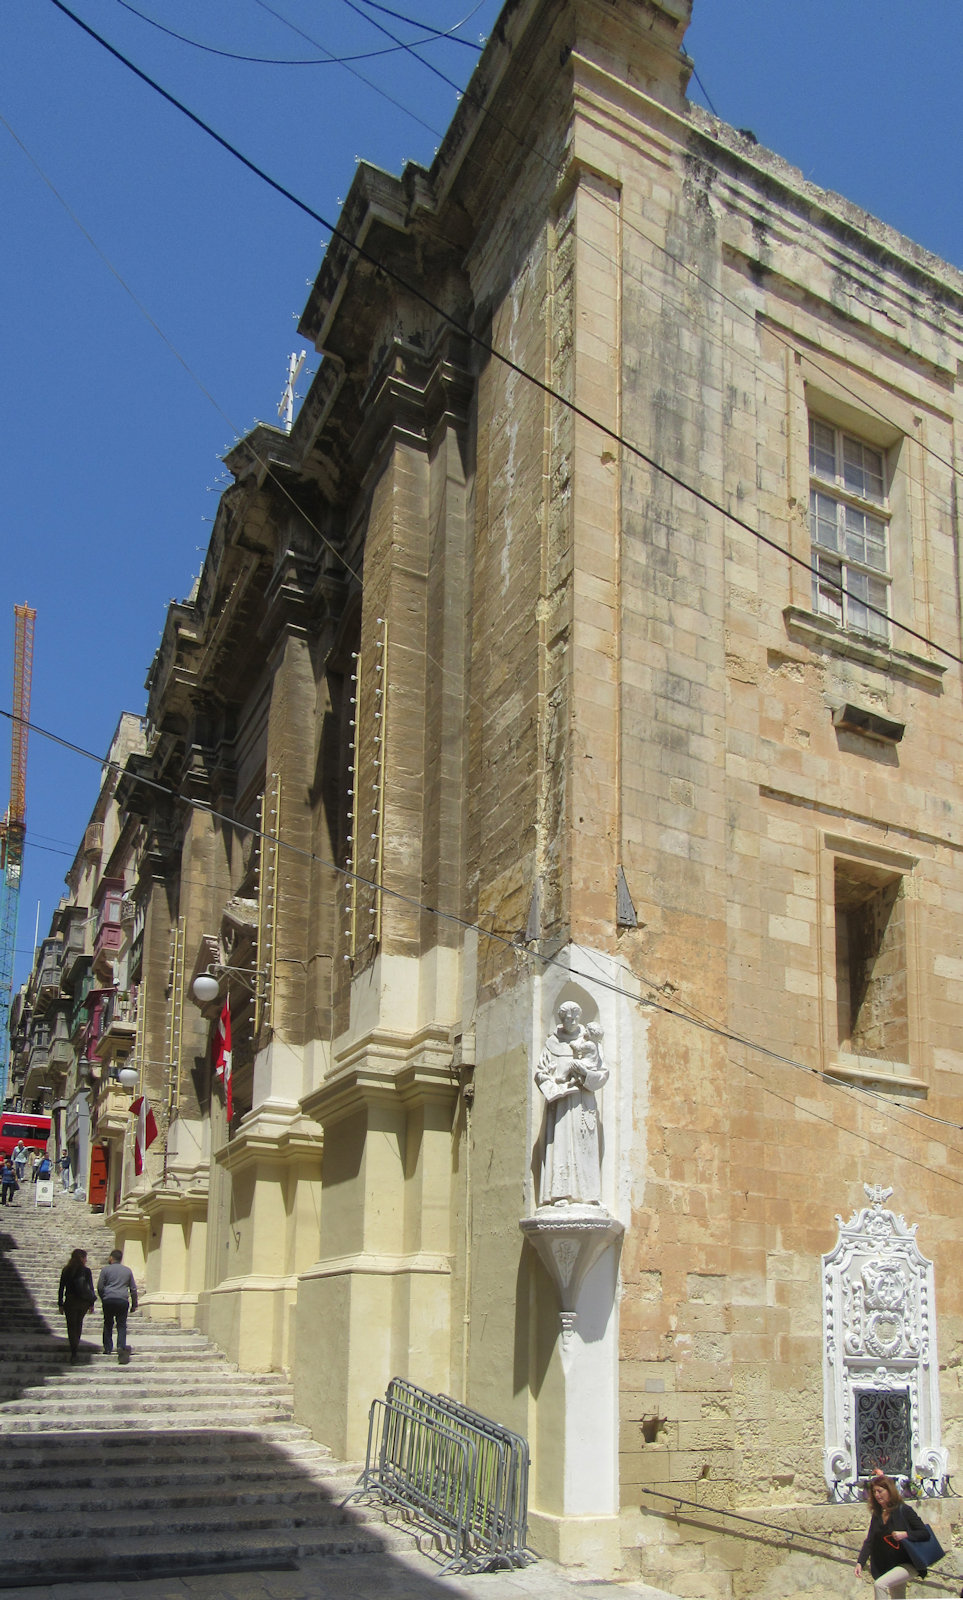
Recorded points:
(880, 1340)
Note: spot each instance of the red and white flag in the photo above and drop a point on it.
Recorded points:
(221, 1056)
(145, 1130)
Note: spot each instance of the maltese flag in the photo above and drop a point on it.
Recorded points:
(221, 1054)
(145, 1130)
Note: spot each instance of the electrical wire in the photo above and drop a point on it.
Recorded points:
(273, 61)
(399, 16)
(705, 92)
(487, 348)
(368, 83)
(523, 950)
(261, 461)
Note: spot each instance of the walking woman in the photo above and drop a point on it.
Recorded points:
(75, 1297)
(891, 1524)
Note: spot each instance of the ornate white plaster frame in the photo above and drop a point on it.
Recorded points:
(879, 1325)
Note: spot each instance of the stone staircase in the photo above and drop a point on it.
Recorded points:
(172, 1462)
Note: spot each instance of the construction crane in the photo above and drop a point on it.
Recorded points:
(13, 827)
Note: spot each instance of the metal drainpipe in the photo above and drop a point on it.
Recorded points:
(468, 1096)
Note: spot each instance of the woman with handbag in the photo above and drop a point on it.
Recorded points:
(891, 1524)
(76, 1297)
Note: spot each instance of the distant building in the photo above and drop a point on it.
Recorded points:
(593, 637)
(76, 1019)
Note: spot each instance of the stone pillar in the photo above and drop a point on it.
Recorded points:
(382, 1292)
(268, 1178)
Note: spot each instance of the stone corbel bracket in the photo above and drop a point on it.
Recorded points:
(569, 1240)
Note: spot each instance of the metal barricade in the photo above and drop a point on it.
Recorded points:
(465, 1476)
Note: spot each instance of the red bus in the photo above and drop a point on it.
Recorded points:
(32, 1127)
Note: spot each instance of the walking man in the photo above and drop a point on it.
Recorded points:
(118, 1294)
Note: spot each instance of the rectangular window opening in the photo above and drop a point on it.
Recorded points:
(871, 978)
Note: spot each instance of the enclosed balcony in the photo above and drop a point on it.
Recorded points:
(76, 947)
(50, 970)
(110, 1113)
(118, 1025)
(109, 937)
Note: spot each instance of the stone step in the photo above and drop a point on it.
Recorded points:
(93, 1407)
(233, 1485)
(41, 1422)
(187, 1521)
(107, 1456)
(169, 1462)
(117, 1558)
(106, 1376)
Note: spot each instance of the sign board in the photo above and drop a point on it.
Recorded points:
(44, 1192)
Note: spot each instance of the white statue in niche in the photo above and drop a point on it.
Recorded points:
(570, 1069)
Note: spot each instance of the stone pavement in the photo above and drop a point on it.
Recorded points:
(395, 1576)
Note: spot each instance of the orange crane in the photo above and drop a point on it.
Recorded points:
(13, 827)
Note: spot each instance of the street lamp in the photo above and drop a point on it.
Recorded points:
(207, 985)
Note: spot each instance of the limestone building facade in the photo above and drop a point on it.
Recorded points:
(593, 637)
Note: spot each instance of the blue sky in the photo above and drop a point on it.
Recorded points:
(112, 431)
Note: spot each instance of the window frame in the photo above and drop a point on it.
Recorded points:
(838, 572)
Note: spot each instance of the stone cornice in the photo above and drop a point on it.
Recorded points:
(158, 1203)
(255, 1283)
(271, 1140)
(381, 1264)
(376, 1077)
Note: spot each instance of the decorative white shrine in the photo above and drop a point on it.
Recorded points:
(880, 1363)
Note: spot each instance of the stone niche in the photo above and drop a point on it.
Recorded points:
(880, 1363)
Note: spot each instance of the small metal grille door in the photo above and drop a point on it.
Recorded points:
(883, 1432)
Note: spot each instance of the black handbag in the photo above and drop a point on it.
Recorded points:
(924, 1550)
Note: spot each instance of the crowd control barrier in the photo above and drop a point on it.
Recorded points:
(462, 1475)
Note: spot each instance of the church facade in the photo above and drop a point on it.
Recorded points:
(557, 767)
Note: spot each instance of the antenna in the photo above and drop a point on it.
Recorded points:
(286, 408)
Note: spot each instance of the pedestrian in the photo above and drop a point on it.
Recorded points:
(31, 1163)
(118, 1293)
(64, 1164)
(20, 1159)
(41, 1171)
(8, 1182)
(76, 1297)
(891, 1524)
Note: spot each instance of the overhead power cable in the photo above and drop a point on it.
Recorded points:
(399, 16)
(523, 950)
(348, 68)
(485, 346)
(274, 61)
